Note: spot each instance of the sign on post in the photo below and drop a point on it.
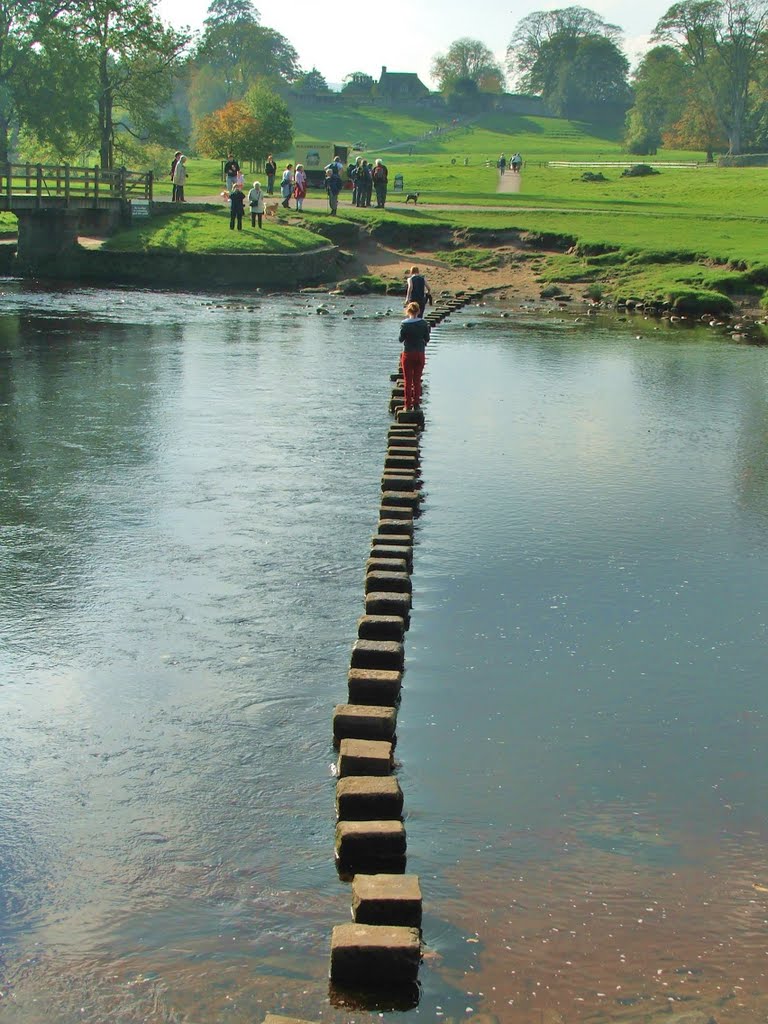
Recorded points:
(140, 208)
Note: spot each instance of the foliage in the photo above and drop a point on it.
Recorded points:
(724, 44)
(660, 85)
(240, 50)
(579, 76)
(537, 29)
(471, 63)
(310, 81)
(251, 128)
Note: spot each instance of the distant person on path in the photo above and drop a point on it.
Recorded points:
(179, 178)
(256, 202)
(516, 163)
(175, 160)
(286, 186)
(418, 290)
(300, 186)
(364, 184)
(270, 169)
(333, 185)
(236, 207)
(501, 163)
(380, 178)
(355, 175)
(414, 335)
(231, 171)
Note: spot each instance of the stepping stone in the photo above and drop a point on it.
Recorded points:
(392, 539)
(398, 482)
(374, 686)
(386, 654)
(381, 627)
(404, 551)
(371, 842)
(364, 757)
(387, 899)
(397, 526)
(395, 582)
(369, 798)
(363, 722)
(385, 564)
(379, 955)
(395, 512)
(389, 603)
(394, 462)
(401, 499)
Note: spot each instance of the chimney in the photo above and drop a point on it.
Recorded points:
(383, 71)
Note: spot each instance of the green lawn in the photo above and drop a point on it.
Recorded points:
(202, 232)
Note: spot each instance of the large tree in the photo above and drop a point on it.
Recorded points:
(24, 27)
(536, 30)
(241, 50)
(250, 128)
(724, 44)
(129, 57)
(581, 76)
(467, 64)
(661, 84)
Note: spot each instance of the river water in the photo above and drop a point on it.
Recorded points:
(189, 487)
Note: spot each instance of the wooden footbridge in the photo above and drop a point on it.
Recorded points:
(55, 202)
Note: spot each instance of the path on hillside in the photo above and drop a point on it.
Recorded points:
(509, 182)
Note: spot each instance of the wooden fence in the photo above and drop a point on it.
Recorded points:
(62, 181)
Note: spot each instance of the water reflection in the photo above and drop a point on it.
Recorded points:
(188, 494)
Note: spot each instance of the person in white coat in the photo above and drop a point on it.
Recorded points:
(179, 178)
(256, 202)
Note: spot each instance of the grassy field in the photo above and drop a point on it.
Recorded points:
(209, 232)
(687, 230)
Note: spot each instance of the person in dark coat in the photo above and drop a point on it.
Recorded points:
(380, 177)
(418, 290)
(231, 171)
(270, 169)
(414, 335)
(236, 207)
(333, 185)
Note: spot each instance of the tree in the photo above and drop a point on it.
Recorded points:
(129, 58)
(311, 81)
(251, 128)
(467, 61)
(724, 43)
(661, 83)
(581, 76)
(240, 50)
(697, 127)
(24, 26)
(537, 29)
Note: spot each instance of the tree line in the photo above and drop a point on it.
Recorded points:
(109, 77)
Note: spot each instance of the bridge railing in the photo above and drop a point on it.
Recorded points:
(66, 182)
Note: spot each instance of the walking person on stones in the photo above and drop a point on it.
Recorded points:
(414, 335)
(256, 203)
(236, 207)
(270, 169)
(418, 290)
(286, 186)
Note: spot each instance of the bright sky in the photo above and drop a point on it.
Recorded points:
(405, 35)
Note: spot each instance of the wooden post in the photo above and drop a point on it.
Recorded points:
(96, 182)
(121, 182)
(39, 184)
(9, 181)
(66, 184)
(150, 183)
(29, 177)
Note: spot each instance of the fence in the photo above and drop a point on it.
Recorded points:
(45, 181)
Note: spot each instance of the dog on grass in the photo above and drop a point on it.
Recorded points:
(270, 209)
(412, 196)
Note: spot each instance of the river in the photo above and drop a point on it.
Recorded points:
(189, 487)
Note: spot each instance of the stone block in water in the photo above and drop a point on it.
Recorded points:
(360, 843)
(363, 722)
(387, 899)
(377, 955)
(369, 798)
(374, 686)
(387, 654)
(364, 757)
(381, 627)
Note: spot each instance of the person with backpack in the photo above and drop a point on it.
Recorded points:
(380, 176)
(414, 336)
(501, 163)
(354, 174)
(286, 186)
(418, 290)
(364, 184)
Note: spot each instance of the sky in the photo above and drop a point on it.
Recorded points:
(405, 36)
